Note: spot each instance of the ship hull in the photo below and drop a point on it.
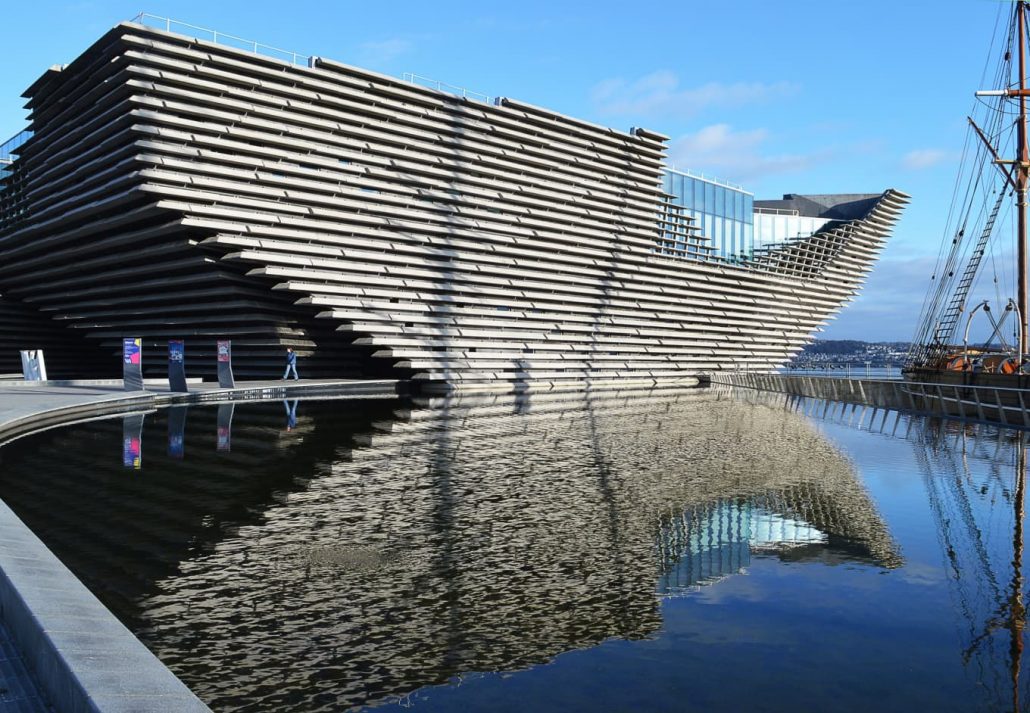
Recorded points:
(967, 378)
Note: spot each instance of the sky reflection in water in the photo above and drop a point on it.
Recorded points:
(636, 551)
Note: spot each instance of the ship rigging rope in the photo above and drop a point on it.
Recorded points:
(969, 215)
(946, 268)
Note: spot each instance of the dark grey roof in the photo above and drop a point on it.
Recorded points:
(843, 206)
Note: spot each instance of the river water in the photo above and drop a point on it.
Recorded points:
(649, 550)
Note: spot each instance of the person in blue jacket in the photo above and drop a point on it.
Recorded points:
(291, 363)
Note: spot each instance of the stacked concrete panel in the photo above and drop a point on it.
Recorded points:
(180, 188)
(68, 355)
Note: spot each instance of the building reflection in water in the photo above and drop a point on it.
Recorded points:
(225, 414)
(369, 549)
(975, 480)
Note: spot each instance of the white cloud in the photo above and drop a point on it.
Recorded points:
(383, 52)
(659, 94)
(889, 304)
(925, 158)
(735, 155)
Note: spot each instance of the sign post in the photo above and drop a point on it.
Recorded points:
(33, 368)
(177, 366)
(225, 378)
(132, 363)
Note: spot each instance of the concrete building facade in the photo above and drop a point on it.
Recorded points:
(178, 188)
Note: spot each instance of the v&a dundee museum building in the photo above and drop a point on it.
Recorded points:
(573, 540)
(169, 187)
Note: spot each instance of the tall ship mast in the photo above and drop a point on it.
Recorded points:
(994, 188)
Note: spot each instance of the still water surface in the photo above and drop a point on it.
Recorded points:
(661, 551)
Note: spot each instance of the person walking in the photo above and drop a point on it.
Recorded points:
(291, 363)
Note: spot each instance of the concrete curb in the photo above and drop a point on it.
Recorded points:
(82, 657)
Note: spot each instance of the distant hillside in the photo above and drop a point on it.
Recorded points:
(835, 346)
(827, 352)
(851, 346)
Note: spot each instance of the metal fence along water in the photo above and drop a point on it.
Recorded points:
(978, 403)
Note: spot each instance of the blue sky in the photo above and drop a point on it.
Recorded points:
(799, 96)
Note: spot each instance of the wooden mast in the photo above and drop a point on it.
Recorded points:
(1022, 176)
(1018, 177)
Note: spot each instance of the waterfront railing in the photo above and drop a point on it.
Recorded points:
(1004, 406)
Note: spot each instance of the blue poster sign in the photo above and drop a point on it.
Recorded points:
(177, 366)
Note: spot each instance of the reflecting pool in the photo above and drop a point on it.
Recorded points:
(641, 550)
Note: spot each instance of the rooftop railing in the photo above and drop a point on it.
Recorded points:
(444, 87)
(221, 38)
(777, 211)
(708, 179)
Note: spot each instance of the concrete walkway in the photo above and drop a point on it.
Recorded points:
(59, 646)
(27, 406)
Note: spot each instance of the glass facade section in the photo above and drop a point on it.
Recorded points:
(7, 154)
(8, 147)
(724, 213)
(778, 226)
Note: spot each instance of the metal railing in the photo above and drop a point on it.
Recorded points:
(845, 370)
(418, 79)
(707, 179)
(778, 211)
(221, 38)
(991, 404)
